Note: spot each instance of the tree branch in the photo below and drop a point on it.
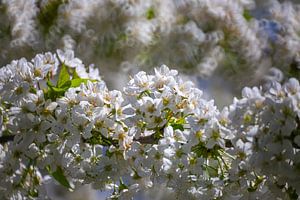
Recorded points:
(6, 138)
(147, 139)
(150, 139)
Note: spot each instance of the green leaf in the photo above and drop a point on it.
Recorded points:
(144, 93)
(55, 92)
(75, 75)
(108, 153)
(247, 15)
(64, 87)
(122, 186)
(33, 193)
(64, 82)
(63, 76)
(293, 70)
(150, 14)
(48, 15)
(32, 90)
(50, 84)
(292, 193)
(181, 121)
(177, 126)
(98, 138)
(177, 123)
(59, 176)
(213, 172)
(77, 82)
(60, 90)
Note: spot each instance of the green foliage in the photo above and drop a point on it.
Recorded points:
(247, 15)
(75, 75)
(5, 27)
(177, 123)
(122, 186)
(255, 184)
(48, 14)
(64, 82)
(150, 14)
(77, 82)
(292, 193)
(55, 92)
(294, 70)
(144, 93)
(63, 77)
(234, 61)
(98, 138)
(211, 171)
(59, 176)
(201, 151)
(33, 193)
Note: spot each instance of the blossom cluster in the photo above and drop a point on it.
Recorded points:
(242, 36)
(158, 136)
(267, 139)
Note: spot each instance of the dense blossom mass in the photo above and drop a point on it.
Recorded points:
(157, 136)
(232, 37)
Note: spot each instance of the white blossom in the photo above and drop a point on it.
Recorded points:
(157, 132)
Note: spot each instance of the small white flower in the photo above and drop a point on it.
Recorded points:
(40, 69)
(68, 59)
(292, 87)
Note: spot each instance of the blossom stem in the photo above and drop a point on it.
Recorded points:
(147, 139)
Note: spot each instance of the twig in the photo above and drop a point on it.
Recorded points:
(6, 138)
(146, 140)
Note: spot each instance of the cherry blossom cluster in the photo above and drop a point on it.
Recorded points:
(27, 114)
(157, 137)
(240, 36)
(265, 124)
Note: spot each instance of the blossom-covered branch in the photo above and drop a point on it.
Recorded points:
(240, 38)
(59, 120)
